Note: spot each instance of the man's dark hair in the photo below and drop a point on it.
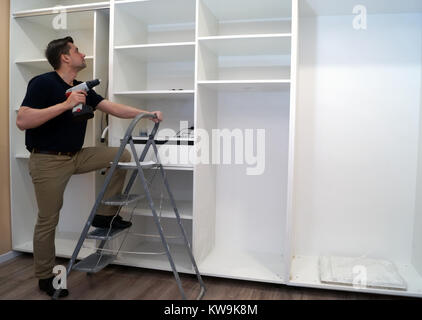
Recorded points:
(55, 49)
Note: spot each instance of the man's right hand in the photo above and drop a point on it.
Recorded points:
(29, 118)
(75, 98)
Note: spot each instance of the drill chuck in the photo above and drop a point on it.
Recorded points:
(93, 83)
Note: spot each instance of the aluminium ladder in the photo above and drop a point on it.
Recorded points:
(98, 260)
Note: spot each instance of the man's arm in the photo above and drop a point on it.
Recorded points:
(29, 118)
(125, 112)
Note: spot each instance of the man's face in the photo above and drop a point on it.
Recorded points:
(75, 58)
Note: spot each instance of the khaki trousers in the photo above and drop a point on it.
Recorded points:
(50, 175)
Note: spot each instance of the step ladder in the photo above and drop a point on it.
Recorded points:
(98, 260)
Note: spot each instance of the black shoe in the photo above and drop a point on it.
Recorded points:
(104, 222)
(46, 285)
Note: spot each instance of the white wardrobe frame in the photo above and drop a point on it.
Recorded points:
(202, 63)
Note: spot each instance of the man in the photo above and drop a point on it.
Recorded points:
(55, 141)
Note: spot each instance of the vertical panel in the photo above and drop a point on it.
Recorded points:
(289, 240)
(101, 64)
(204, 180)
(204, 198)
(417, 226)
(23, 206)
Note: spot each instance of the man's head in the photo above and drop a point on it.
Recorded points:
(63, 52)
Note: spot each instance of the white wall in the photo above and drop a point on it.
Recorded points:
(357, 136)
(417, 235)
(5, 220)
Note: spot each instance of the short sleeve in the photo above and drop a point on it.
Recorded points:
(93, 99)
(36, 96)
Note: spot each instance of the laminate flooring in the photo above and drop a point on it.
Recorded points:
(17, 282)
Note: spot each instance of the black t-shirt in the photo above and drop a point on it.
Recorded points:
(61, 133)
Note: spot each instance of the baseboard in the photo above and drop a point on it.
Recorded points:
(9, 256)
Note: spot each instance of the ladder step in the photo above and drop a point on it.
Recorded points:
(132, 165)
(103, 233)
(91, 263)
(122, 199)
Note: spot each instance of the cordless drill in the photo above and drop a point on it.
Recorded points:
(83, 112)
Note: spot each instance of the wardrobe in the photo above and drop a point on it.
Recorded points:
(308, 112)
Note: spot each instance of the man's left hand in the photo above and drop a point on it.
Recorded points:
(159, 116)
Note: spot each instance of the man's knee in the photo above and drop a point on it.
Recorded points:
(126, 157)
(46, 224)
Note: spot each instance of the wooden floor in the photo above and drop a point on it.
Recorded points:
(117, 282)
